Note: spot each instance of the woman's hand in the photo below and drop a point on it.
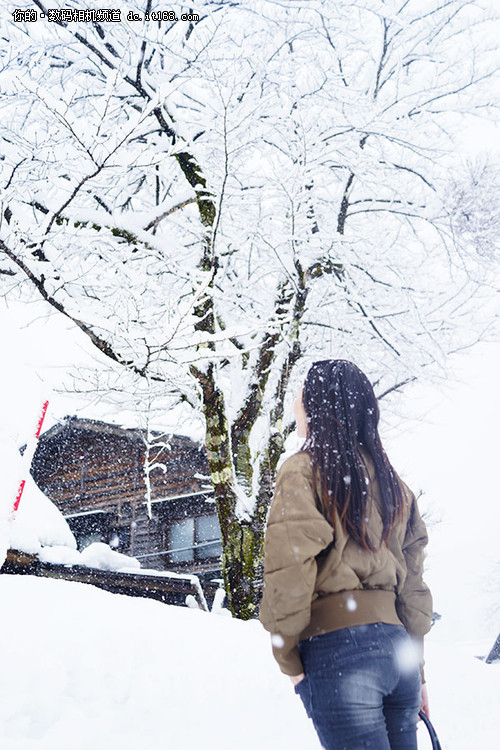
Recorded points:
(296, 678)
(424, 701)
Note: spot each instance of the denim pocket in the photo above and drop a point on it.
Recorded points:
(297, 687)
(339, 650)
(303, 690)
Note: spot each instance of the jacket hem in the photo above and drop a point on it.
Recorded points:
(346, 609)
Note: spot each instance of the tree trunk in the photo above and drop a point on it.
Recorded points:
(242, 566)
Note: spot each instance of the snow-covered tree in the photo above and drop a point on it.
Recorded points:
(216, 202)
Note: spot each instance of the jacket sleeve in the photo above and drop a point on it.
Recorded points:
(414, 601)
(296, 532)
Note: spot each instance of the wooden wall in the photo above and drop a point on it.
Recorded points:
(90, 467)
(84, 465)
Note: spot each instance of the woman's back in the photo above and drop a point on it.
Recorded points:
(303, 558)
(343, 560)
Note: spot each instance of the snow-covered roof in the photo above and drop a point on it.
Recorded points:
(134, 434)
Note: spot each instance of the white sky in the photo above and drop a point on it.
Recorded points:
(451, 455)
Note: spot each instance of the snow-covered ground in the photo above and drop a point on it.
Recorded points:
(82, 668)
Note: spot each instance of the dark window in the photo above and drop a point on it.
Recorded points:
(89, 528)
(207, 537)
(85, 540)
(119, 538)
(181, 540)
(195, 539)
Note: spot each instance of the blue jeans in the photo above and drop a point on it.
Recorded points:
(362, 688)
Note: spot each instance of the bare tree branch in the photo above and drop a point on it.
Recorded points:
(39, 284)
(154, 224)
(396, 387)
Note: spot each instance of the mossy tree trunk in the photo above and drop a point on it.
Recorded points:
(230, 461)
(228, 451)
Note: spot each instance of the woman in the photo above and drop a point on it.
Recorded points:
(343, 594)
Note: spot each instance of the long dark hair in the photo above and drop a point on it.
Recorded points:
(342, 417)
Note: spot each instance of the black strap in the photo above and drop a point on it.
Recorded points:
(436, 745)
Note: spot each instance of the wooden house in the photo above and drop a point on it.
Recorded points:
(94, 473)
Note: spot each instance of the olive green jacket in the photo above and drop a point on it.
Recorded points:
(313, 585)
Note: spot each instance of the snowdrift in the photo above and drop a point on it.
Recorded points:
(83, 668)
